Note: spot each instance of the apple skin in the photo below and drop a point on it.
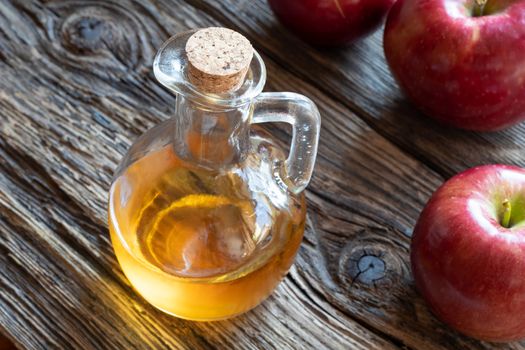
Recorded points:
(468, 267)
(331, 22)
(468, 72)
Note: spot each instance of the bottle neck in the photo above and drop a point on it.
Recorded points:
(211, 137)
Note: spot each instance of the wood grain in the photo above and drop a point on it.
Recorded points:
(77, 88)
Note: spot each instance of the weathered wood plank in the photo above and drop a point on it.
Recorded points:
(76, 89)
(359, 78)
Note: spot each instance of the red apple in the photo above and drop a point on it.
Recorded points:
(468, 252)
(331, 22)
(458, 62)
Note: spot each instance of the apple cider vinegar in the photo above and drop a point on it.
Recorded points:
(205, 213)
(194, 243)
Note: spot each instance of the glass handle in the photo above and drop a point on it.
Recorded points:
(303, 115)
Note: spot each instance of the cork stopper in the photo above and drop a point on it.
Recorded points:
(218, 59)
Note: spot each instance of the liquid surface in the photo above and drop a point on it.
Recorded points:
(198, 235)
(180, 231)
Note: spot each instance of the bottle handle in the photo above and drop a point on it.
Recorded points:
(303, 115)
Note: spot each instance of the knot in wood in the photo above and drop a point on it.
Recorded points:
(367, 269)
(87, 34)
(105, 38)
(373, 259)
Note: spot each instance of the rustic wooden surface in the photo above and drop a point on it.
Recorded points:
(77, 88)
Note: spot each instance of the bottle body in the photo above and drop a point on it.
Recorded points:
(201, 243)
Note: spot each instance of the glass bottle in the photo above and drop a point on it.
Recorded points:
(205, 214)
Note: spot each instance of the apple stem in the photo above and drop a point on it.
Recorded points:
(505, 222)
(479, 6)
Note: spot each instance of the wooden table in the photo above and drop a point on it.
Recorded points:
(77, 88)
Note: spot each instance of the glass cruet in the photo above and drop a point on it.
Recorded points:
(205, 214)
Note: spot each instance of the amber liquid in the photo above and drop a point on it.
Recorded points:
(202, 244)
